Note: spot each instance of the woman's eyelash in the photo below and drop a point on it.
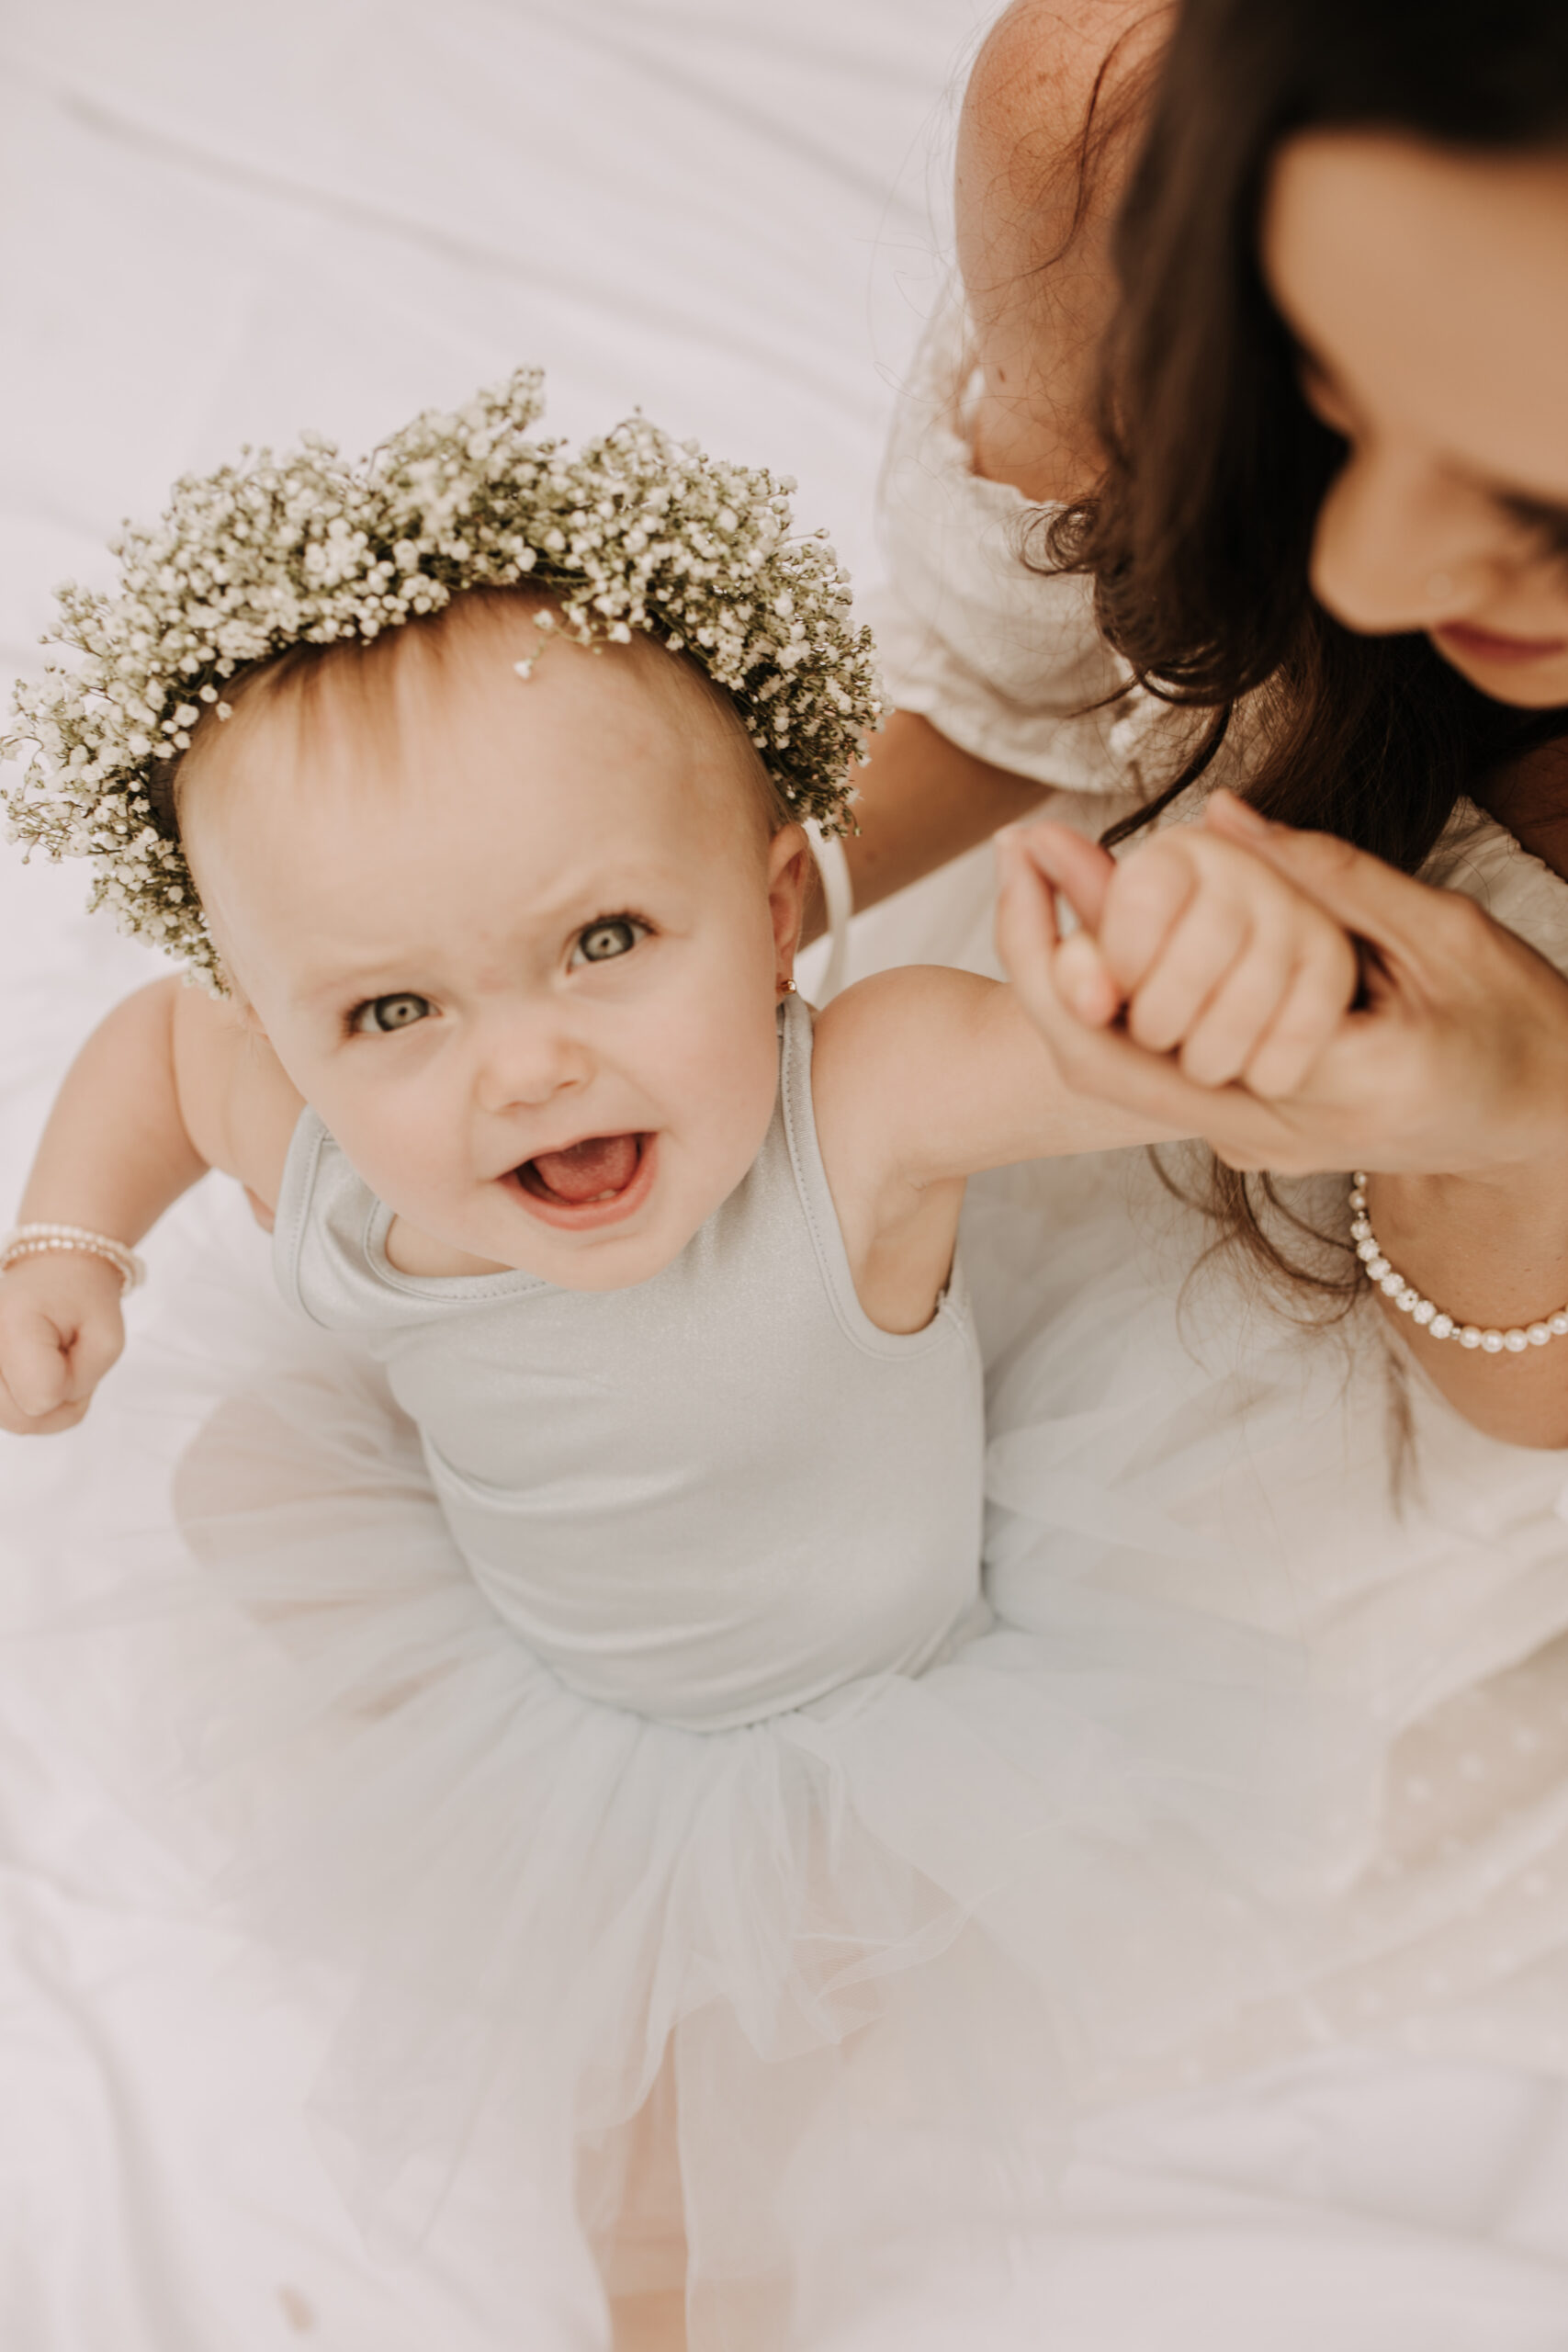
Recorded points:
(1318, 394)
(1550, 524)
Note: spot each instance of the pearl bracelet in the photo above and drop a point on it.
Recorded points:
(1433, 1321)
(36, 1240)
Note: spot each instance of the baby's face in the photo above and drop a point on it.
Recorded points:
(518, 943)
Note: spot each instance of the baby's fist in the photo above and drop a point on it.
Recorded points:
(1214, 957)
(61, 1328)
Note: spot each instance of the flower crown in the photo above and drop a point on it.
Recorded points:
(635, 532)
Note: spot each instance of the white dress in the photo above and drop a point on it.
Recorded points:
(1165, 1444)
(594, 1698)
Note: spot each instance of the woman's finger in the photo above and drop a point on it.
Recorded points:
(1370, 898)
(1083, 982)
(1080, 869)
(1108, 1067)
(1027, 935)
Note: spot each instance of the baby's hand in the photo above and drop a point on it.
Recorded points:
(61, 1329)
(1206, 954)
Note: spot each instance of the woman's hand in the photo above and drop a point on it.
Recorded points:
(1448, 1075)
(61, 1329)
(1453, 1059)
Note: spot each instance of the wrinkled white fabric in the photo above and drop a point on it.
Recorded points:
(974, 629)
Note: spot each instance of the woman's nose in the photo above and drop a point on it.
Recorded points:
(1400, 547)
(525, 1058)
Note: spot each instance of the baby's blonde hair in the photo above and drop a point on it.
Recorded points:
(367, 667)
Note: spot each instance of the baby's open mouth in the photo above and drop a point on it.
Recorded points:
(585, 1174)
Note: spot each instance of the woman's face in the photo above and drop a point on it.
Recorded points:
(1429, 291)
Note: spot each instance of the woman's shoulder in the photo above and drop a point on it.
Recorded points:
(1035, 78)
(1041, 152)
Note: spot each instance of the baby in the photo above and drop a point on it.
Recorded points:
(504, 902)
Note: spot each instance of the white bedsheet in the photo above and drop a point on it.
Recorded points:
(224, 220)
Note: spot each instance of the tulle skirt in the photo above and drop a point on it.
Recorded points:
(800, 2011)
(1163, 1432)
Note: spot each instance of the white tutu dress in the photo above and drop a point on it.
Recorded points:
(1164, 1441)
(593, 1695)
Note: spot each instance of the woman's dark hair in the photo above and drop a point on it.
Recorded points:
(1198, 535)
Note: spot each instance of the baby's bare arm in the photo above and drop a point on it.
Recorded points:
(169, 1085)
(1208, 956)
(930, 1075)
(116, 1150)
(921, 1077)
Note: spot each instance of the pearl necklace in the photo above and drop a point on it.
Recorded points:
(1431, 1317)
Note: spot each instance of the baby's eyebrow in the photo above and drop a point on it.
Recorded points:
(352, 985)
(583, 900)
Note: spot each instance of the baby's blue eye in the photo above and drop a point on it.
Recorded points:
(385, 1013)
(616, 935)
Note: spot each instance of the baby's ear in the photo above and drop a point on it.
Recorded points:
(790, 867)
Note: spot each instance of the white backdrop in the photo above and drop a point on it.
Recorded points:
(222, 221)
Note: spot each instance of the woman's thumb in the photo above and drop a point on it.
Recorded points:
(1080, 869)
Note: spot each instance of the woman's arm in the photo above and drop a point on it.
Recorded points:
(920, 801)
(1038, 289)
(1456, 1061)
(1050, 116)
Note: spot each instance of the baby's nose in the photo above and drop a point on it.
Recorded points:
(526, 1059)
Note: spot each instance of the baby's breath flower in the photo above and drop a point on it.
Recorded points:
(634, 532)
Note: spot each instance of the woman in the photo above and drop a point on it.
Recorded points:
(1447, 526)
(1318, 493)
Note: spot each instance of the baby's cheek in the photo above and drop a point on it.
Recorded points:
(717, 1084)
(407, 1150)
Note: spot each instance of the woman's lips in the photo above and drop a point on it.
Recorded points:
(586, 1216)
(1485, 645)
